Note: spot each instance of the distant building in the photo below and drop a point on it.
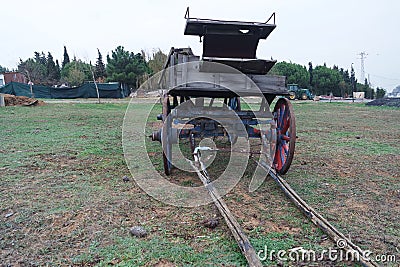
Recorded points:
(8, 77)
(359, 95)
(2, 81)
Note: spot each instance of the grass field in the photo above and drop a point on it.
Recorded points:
(64, 201)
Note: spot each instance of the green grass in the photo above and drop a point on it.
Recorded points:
(133, 252)
(61, 178)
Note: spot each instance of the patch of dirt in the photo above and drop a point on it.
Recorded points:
(12, 100)
(362, 193)
(163, 263)
(155, 125)
(258, 210)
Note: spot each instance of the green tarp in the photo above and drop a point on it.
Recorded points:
(87, 90)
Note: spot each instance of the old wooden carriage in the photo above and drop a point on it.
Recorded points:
(227, 72)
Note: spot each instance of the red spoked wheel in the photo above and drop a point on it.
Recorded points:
(286, 135)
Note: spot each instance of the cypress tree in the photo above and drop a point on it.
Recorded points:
(66, 57)
(58, 71)
(310, 71)
(100, 68)
(51, 69)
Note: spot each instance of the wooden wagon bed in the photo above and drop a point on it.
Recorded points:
(228, 66)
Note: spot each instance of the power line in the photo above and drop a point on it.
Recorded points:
(363, 55)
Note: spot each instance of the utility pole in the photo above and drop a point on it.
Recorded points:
(353, 82)
(363, 55)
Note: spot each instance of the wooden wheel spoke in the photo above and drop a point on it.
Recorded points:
(278, 159)
(286, 121)
(286, 148)
(282, 154)
(165, 142)
(281, 113)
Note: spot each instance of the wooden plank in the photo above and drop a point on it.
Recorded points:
(224, 81)
(237, 232)
(247, 66)
(199, 91)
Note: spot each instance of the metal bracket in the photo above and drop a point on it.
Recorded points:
(187, 16)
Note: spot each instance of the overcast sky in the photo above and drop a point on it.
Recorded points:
(331, 32)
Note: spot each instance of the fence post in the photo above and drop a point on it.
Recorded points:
(2, 102)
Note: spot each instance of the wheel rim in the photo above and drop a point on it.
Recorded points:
(165, 142)
(286, 135)
(292, 96)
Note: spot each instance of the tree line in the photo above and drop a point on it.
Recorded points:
(132, 69)
(322, 80)
(128, 68)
